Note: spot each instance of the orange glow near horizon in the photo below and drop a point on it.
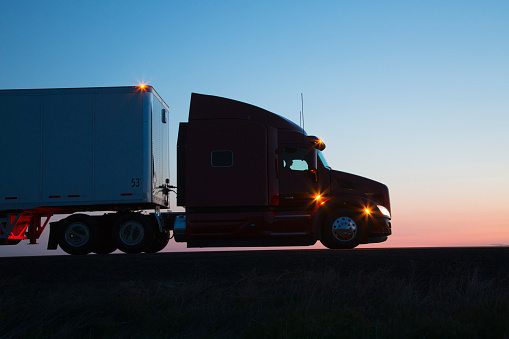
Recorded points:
(468, 222)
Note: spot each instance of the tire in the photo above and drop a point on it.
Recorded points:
(76, 234)
(160, 241)
(133, 233)
(342, 230)
(105, 243)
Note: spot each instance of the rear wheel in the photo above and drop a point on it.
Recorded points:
(133, 233)
(105, 243)
(341, 231)
(160, 241)
(76, 234)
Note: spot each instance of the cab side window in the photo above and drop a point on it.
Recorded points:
(295, 159)
(221, 158)
(296, 165)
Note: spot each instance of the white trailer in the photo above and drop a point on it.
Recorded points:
(83, 149)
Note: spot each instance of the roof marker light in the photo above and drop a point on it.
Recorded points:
(142, 86)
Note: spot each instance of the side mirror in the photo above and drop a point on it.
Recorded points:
(316, 142)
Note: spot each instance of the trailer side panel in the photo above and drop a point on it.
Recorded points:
(86, 148)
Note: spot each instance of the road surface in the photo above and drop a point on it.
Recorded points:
(425, 262)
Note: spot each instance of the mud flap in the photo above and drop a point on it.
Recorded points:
(53, 236)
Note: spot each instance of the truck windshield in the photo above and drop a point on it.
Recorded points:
(323, 161)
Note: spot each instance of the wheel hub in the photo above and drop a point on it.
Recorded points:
(77, 234)
(344, 229)
(131, 233)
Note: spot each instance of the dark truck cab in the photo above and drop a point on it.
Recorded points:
(249, 177)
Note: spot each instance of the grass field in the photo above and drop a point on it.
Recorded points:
(278, 294)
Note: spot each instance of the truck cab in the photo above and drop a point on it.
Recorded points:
(249, 177)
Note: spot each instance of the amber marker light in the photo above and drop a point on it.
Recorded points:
(319, 199)
(142, 86)
(367, 210)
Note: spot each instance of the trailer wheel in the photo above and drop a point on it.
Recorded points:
(160, 241)
(76, 234)
(133, 232)
(341, 230)
(105, 243)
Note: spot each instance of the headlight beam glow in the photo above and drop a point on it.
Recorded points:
(384, 211)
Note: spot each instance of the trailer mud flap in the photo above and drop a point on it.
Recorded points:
(53, 236)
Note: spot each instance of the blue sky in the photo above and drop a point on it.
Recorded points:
(410, 93)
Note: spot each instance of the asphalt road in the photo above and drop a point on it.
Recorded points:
(488, 262)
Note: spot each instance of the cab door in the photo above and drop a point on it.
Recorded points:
(297, 177)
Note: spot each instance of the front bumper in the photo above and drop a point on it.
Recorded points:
(379, 228)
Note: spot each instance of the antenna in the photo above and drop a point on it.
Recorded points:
(302, 108)
(300, 115)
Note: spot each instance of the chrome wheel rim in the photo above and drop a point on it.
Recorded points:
(344, 229)
(77, 234)
(131, 232)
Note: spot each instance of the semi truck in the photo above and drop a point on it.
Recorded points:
(246, 177)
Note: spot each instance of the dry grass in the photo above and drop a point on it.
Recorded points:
(321, 303)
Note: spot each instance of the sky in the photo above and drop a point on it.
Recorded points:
(410, 93)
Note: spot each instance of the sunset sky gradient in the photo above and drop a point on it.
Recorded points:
(414, 94)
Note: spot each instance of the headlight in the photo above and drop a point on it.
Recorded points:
(384, 211)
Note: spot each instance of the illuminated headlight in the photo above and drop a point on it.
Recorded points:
(384, 211)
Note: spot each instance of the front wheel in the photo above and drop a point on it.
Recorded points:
(341, 231)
